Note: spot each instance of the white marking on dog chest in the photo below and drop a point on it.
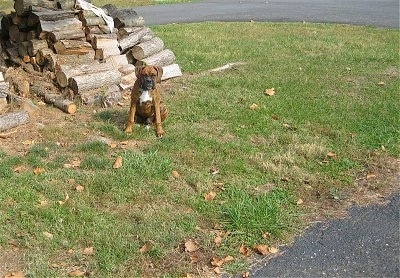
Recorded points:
(145, 96)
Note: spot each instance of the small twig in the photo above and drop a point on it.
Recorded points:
(6, 135)
(227, 66)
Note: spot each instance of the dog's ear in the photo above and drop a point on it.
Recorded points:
(138, 71)
(159, 73)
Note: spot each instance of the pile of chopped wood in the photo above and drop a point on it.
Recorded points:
(71, 53)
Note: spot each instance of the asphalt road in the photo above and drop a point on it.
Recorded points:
(367, 244)
(382, 13)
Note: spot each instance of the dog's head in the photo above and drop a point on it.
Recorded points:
(148, 76)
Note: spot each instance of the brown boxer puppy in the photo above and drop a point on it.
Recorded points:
(146, 104)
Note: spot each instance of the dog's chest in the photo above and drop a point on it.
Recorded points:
(145, 97)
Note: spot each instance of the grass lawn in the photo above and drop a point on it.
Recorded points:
(237, 173)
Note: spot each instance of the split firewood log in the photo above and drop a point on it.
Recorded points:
(67, 47)
(124, 17)
(147, 48)
(171, 71)
(94, 80)
(135, 38)
(13, 119)
(65, 73)
(35, 45)
(25, 6)
(163, 58)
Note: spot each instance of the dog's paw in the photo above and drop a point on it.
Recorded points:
(128, 130)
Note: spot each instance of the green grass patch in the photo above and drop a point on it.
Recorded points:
(336, 91)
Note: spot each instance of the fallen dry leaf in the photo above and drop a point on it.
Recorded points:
(381, 83)
(15, 274)
(175, 174)
(88, 251)
(194, 259)
(210, 196)
(48, 235)
(191, 246)
(65, 200)
(28, 142)
(261, 249)
(217, 270)
(79, 188)
(270, 92)
(244, 250)
(219, 262)
(370, 176)
(331, 154)
(146, 247)
(118, 162)
(19, 169)
(112, 145)
(76, 273)
(218, 240)
(273, 250)
(266, 235)
(38, 171)
(299, 201)
(254, 106)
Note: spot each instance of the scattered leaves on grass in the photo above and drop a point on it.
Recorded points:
(370, 176)
(246, 275)
(194, 259)
(299, 201)
(381, 83)
(65, 200)
(210, 196)
(112, 145)
(48, 235)
(88, 251)
(146, 247)
(217, 270)
(254, 106)
(261, 249)
(266, 235)
(38, 171)
(244, 250)
(191, 246)
(15, 274)
(269, 92)
(118, 163)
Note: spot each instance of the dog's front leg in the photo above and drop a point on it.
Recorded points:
(131, 116)
(159, 129)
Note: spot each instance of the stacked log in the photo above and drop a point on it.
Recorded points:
(3, 92)
(76, 48)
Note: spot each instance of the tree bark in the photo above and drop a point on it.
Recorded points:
(124, 17)
(162, 58)
(43, 56)
(94, 80)
(13, 119)
(135, 38)
(147, 48)
(62, 24)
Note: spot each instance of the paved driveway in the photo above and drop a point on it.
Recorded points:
(383, 13)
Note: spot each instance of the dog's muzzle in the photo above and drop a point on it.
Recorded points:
(148, 83)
